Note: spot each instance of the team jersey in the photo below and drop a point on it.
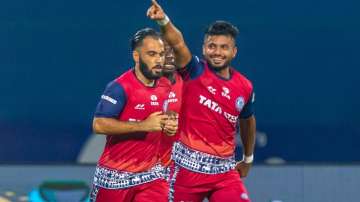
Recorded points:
(128, 99)
(174, 104)
(211, 108)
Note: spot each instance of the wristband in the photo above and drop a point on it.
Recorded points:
(164, 21)
(248, 159)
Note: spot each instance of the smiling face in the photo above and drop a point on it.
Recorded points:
(219, 50)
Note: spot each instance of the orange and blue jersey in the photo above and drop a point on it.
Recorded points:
(211, 108)
(128, 99)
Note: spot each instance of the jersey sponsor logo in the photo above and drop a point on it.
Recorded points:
(172, 97)
(210, 104)
(214, 106)
(110, 99)
(153, 98)
(225, 93)
(239, 103)
(140, 107)
(154, 101)
(230, 118)
(212, 90)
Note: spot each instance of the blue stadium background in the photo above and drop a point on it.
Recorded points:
(302, 56)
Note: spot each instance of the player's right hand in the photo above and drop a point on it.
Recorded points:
(155, 12)
(154, 122)
(243, 168)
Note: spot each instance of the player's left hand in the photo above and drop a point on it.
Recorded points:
(171, 124)
(243, 168)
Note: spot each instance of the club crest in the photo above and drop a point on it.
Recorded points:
(239, 103)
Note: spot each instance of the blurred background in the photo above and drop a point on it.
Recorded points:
(56, 58)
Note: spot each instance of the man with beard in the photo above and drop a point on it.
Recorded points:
(216, 99)
(130, 114)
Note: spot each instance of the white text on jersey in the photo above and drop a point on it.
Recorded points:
(212, 105)
(112, 100)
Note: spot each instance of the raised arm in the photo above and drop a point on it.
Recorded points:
(171, 34)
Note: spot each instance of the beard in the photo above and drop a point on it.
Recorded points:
(218, 68)
(145, 70)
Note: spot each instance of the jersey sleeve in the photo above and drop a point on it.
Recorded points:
(112, 101)
(193, 69)
(249, 108)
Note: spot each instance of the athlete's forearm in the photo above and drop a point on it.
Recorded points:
(176, 40)
(111, 126)
(247, 133)
(171, 34)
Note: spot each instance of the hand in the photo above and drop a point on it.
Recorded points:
(171, 124)
(243, 168)
(154, 122)
(155, 12)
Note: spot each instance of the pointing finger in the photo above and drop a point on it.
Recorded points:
(155, 3)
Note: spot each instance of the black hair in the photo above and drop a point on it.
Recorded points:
(140, 35)
(222, 28)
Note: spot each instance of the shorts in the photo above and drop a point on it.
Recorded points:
(190, 186)
(156, 190)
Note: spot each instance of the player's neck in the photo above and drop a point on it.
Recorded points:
(140, 76)
(224, 73)
(170, 77)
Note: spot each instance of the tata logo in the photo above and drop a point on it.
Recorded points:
(210, 104)
(153, 98)
(214, 106)
(239, 103)
(212, 90)
(154, 101)
(231, 118)
(140, 107)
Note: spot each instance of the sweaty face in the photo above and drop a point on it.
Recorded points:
(152, 57)
(219, 50)
(169, 66)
